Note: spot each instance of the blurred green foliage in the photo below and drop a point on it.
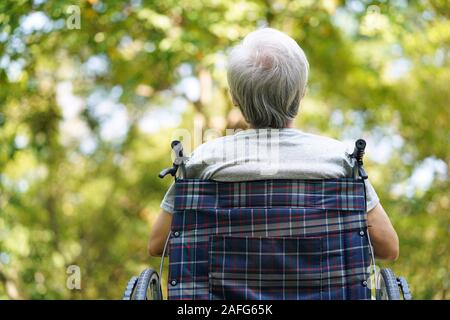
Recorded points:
(78, 164)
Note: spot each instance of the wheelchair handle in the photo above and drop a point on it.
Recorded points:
(172, 171)
(358, 154)
(177, 148)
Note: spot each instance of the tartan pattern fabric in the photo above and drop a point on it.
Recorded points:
(326, 194)
(269, 239)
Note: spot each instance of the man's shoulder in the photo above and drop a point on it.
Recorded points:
(293, 151)
(321, 141)
(327, 149)
(324, 139)
(294, 135)
(209, 151)
(210, 145)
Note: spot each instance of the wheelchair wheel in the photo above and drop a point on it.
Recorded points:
(405, 288)
(128, 294)
(388, 286)
(148, 286)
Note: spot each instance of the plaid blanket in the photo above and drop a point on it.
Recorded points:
(270, 239)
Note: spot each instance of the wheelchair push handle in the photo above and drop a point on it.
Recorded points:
(172, 171)
(358, 154)
(177, 148)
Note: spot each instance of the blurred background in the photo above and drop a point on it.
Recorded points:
(91, 93)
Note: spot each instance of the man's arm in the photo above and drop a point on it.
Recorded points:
(159, 233)
(382, 234)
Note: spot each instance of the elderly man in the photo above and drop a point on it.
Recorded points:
(267, 76)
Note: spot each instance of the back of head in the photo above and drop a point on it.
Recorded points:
(267, 75)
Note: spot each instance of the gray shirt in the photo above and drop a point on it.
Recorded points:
(258, 154)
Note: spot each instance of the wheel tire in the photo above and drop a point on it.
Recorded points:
(128, 294)
(148, 286)
(389, 289)
(405, 288)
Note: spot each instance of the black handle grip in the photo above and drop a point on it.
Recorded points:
(358, 154)
(172, 171)
(177, 147)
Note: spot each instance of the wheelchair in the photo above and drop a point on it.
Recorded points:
(314, 244)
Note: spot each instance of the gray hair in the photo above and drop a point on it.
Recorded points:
(267, 75)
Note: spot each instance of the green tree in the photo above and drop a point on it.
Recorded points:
(86, 117)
